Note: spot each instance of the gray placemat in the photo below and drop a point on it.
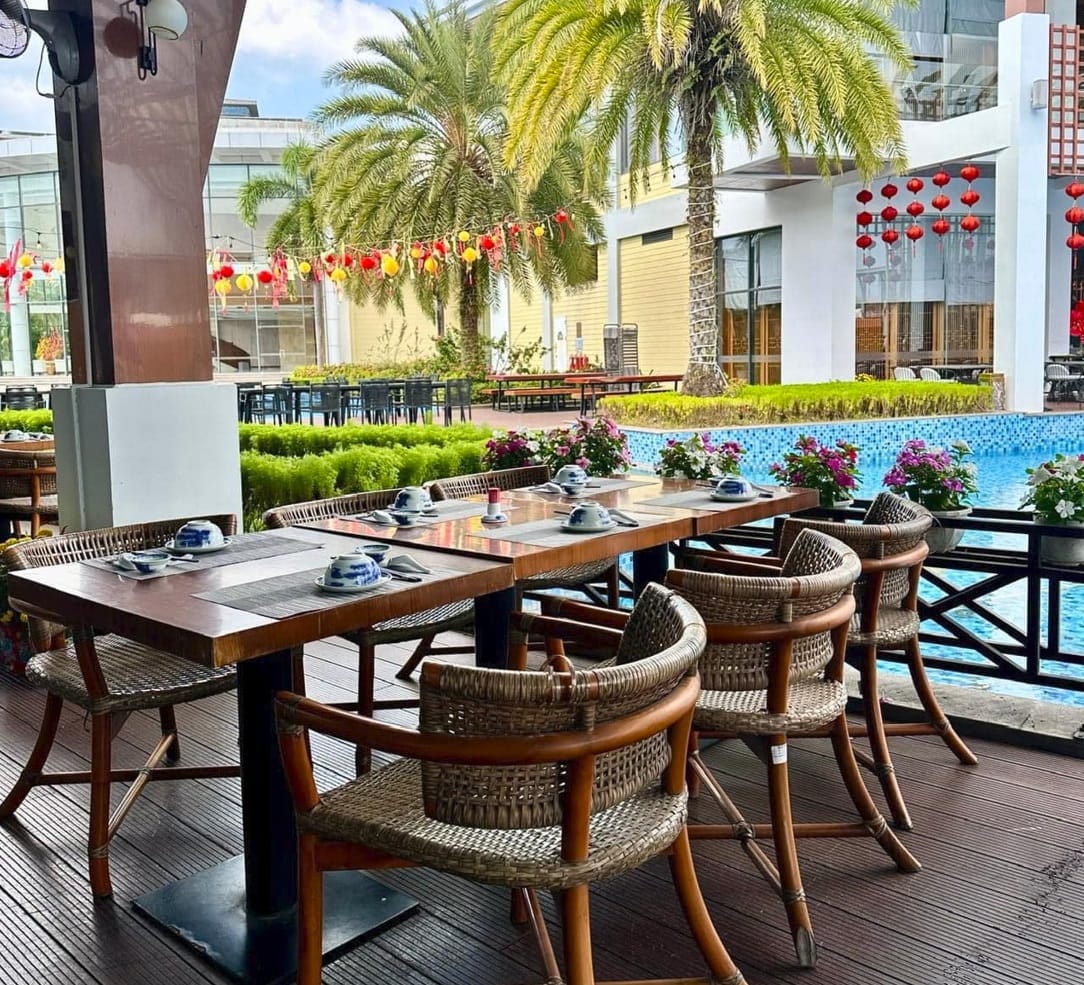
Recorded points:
(696, 499)
(243, 547)
(548, 533)
(446, 509)
(287, 595)
(596, 484)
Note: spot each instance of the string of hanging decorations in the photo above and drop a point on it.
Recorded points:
(19, 267)
(384, 265)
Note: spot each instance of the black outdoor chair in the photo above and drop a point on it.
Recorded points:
(457, 393)
(417, 400)
(270, 404)
(376, 403)
(326, 399)
(22, 398)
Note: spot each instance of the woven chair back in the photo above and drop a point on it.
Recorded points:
(326, 509)
(18, 486)
(817, 571)
(458, 486)
(473, 701)
(42, 552)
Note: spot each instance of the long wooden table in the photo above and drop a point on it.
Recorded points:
(241, 915)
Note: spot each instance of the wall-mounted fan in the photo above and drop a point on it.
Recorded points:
(56, 29)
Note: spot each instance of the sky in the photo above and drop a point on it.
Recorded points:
(284, 48)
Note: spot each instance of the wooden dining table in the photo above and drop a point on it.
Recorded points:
(241, 914)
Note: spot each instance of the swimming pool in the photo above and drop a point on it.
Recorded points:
(1005, 446)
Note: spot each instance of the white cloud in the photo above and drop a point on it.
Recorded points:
(314, 32)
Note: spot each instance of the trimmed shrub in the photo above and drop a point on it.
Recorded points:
(301, 439)
(799, 403)
(27, 420)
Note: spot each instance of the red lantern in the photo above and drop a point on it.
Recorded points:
(561, 216)
(941, 179)
(330, 259)
(915, 209)
(348, 260)
(941, 202)
(46, 267)
(488, 242)
(864, 218)
(914, 233)
(941, 226)
(915, 185)
(5, 269)
(889, 190)
(970, 197)
(889, 213)
(969, 172)
(1074, 216)
(890, 236)
(440, 246)
(864, 242)
(369, 263)
(226, 271)
(216, 275)
(969, 223)
(865, 196)
(1075, 242)
(265, 277)
(1074, 189)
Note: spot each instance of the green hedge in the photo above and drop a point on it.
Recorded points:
(273, 480)
(301, 439)
(27, 420)
(799, 403)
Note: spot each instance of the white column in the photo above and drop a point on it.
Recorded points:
(547, 331)
(336, 327)
(613, 280)
(1020, 278)
(1059, 274)
(844, 282)
(137, 452)
(20, 333)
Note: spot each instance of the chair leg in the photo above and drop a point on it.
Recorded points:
(786, 856)
(863, 802)
(363, 757)
(43, 744)
(882, 759)
(101, 740)
(168, 718)
(310, 913)
(421, 651)
(613, 586)
(723, 969)
(933, 709)
(576, 924)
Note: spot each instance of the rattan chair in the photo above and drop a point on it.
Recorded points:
(890, 543)
(773, 670)
(525, 779)
(28, 489)
(575, 576)
(109, 678)
(422, 626)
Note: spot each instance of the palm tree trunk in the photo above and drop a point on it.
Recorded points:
(469, 315)
(703, 376)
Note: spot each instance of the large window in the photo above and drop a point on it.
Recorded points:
(927, 303)
(750, 308)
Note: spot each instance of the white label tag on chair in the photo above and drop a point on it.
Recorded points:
(779, 754)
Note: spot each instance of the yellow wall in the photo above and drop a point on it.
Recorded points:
(587, 306)
(657, 185)
(655, 295)
(391, 335)
(524, 313)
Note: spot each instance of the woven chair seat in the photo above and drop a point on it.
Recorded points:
(137, 676)
(440, 619)
(21, 506)
(894, 628)
(571, 577)
(383, 810)
(811, 704)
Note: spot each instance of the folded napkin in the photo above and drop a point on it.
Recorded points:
(123, 562)
(378, 516)
(546, 487)
(623, 518)
(404, 562)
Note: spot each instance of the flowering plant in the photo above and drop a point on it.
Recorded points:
(830, 469)
(511, 450)
(1056, 489)
(598, 446)
(50, 346)
(938, 478)
(697, 458)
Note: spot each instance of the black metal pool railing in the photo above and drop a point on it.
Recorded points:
(966, 616)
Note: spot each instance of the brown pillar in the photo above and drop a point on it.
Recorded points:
(133, 156)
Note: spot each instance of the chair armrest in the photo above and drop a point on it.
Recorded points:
(582, 612)
(526, 623)
(757, 566)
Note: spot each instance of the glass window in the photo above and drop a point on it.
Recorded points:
(224, 180)
(750, 305)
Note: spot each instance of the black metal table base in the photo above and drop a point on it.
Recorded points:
(207, 911)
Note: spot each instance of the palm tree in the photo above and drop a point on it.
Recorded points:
(798, 74)
(300, 227)
(419, 153)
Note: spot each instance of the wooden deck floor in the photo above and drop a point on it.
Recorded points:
(1001, 898)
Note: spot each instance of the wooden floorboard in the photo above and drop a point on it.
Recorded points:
(1000, 900)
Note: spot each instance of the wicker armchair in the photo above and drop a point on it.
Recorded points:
(422, 626)
(575, 576)
(525, 779)
(890, 543)
(773, 669)
(28, 488)
(108, 677)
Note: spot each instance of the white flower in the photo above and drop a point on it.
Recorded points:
(1065, 509)
(1070, 466)
(1039, 476)
(962, 446)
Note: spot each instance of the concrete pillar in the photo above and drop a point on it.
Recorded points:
(19, 319)
(1059, 274)
(1020, 289)
(547, 331)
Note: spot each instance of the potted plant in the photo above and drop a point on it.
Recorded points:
(698, 458)
(50, 348)
(830, 469)
(938, 478)
(511, 450)
(1056, 492)
(598, 446)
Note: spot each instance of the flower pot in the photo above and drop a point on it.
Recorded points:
(944, 539)
(38, 366)
(1066, 551)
